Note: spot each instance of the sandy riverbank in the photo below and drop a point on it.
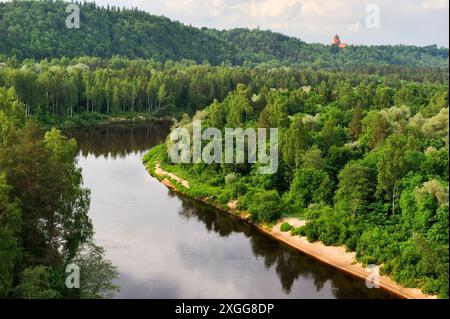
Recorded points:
(337, 257)
(159, 171)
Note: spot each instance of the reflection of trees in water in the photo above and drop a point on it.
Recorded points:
(288, 263)
(119, 140)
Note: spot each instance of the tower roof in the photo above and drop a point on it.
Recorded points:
(336, 40)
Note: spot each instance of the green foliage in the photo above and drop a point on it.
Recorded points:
(375, 129)
(355, 189)
(10, 226)
(363, 137)
(299, 231)
(43, 208)
(156, 154)
(97, 273)
(265, 206)
(309, 186)
(230, 178)
(239, 107)
(36, 283)
(313, 159)
(327, 225)
(297, 140)
(103, 32)
(393, 165)
(238, 189)
(285, 227)
(374, 183)
(114, 31)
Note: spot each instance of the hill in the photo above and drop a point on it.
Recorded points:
(36, 29)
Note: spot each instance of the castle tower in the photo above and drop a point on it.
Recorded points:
(336, 40)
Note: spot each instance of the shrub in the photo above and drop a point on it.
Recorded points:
(309, 186)
(230, 178)
(299, 231)
(266, 206)
(224, 198)
(238, 189)
(36, 283)
(285, 227)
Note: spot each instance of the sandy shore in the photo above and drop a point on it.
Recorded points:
(159, 171)
(337, 257)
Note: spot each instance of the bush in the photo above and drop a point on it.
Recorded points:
(299, 231)
(309, 186)
(36, 283)
(266, 206)
(224, 198)
(230, 178)
(285, 227)
(238, 189)
(324, 225)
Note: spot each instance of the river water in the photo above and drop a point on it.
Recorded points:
(169, 246)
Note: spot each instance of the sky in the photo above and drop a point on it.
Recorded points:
(417, 22)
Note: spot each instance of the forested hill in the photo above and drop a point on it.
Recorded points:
(257, 46)
(36, 29)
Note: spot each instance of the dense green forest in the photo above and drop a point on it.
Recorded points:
(89, 86)
(44, 222)
(363, 159)
(36, 29)
(363, 137)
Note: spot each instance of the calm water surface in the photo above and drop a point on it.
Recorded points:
(168, 246)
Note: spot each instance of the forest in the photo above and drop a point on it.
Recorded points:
(36, 29)
(363, 159)
(88, 86)
(44, 222)
(363, 137)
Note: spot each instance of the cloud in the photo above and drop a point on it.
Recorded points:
(435, 4)
(420, 22)
(354, 27)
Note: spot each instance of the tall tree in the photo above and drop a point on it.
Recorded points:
(355, 188)
(393, 165)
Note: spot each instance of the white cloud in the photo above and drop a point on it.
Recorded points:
(354, 27)
(435, 4)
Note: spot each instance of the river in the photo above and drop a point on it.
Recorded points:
(169, 246)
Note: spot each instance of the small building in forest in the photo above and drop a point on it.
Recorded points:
(337, 42)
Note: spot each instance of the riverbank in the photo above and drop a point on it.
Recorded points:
(99, 119)
(337, 257)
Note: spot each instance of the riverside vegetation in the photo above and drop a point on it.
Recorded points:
(363, 137)
(364, 162)
(44, 222)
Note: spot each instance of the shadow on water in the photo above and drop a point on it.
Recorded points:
(129, 205)
(118, 141)
(288, 263)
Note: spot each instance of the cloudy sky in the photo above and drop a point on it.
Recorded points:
(419, 22)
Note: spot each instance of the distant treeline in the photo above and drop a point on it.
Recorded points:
(36, 29)
(66, 87)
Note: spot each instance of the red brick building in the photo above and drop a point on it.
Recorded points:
(336, 41)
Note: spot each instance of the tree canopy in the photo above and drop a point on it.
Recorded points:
(36, 29)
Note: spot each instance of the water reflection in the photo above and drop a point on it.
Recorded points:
(119, 140)
(169, 246)
(288, 263)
